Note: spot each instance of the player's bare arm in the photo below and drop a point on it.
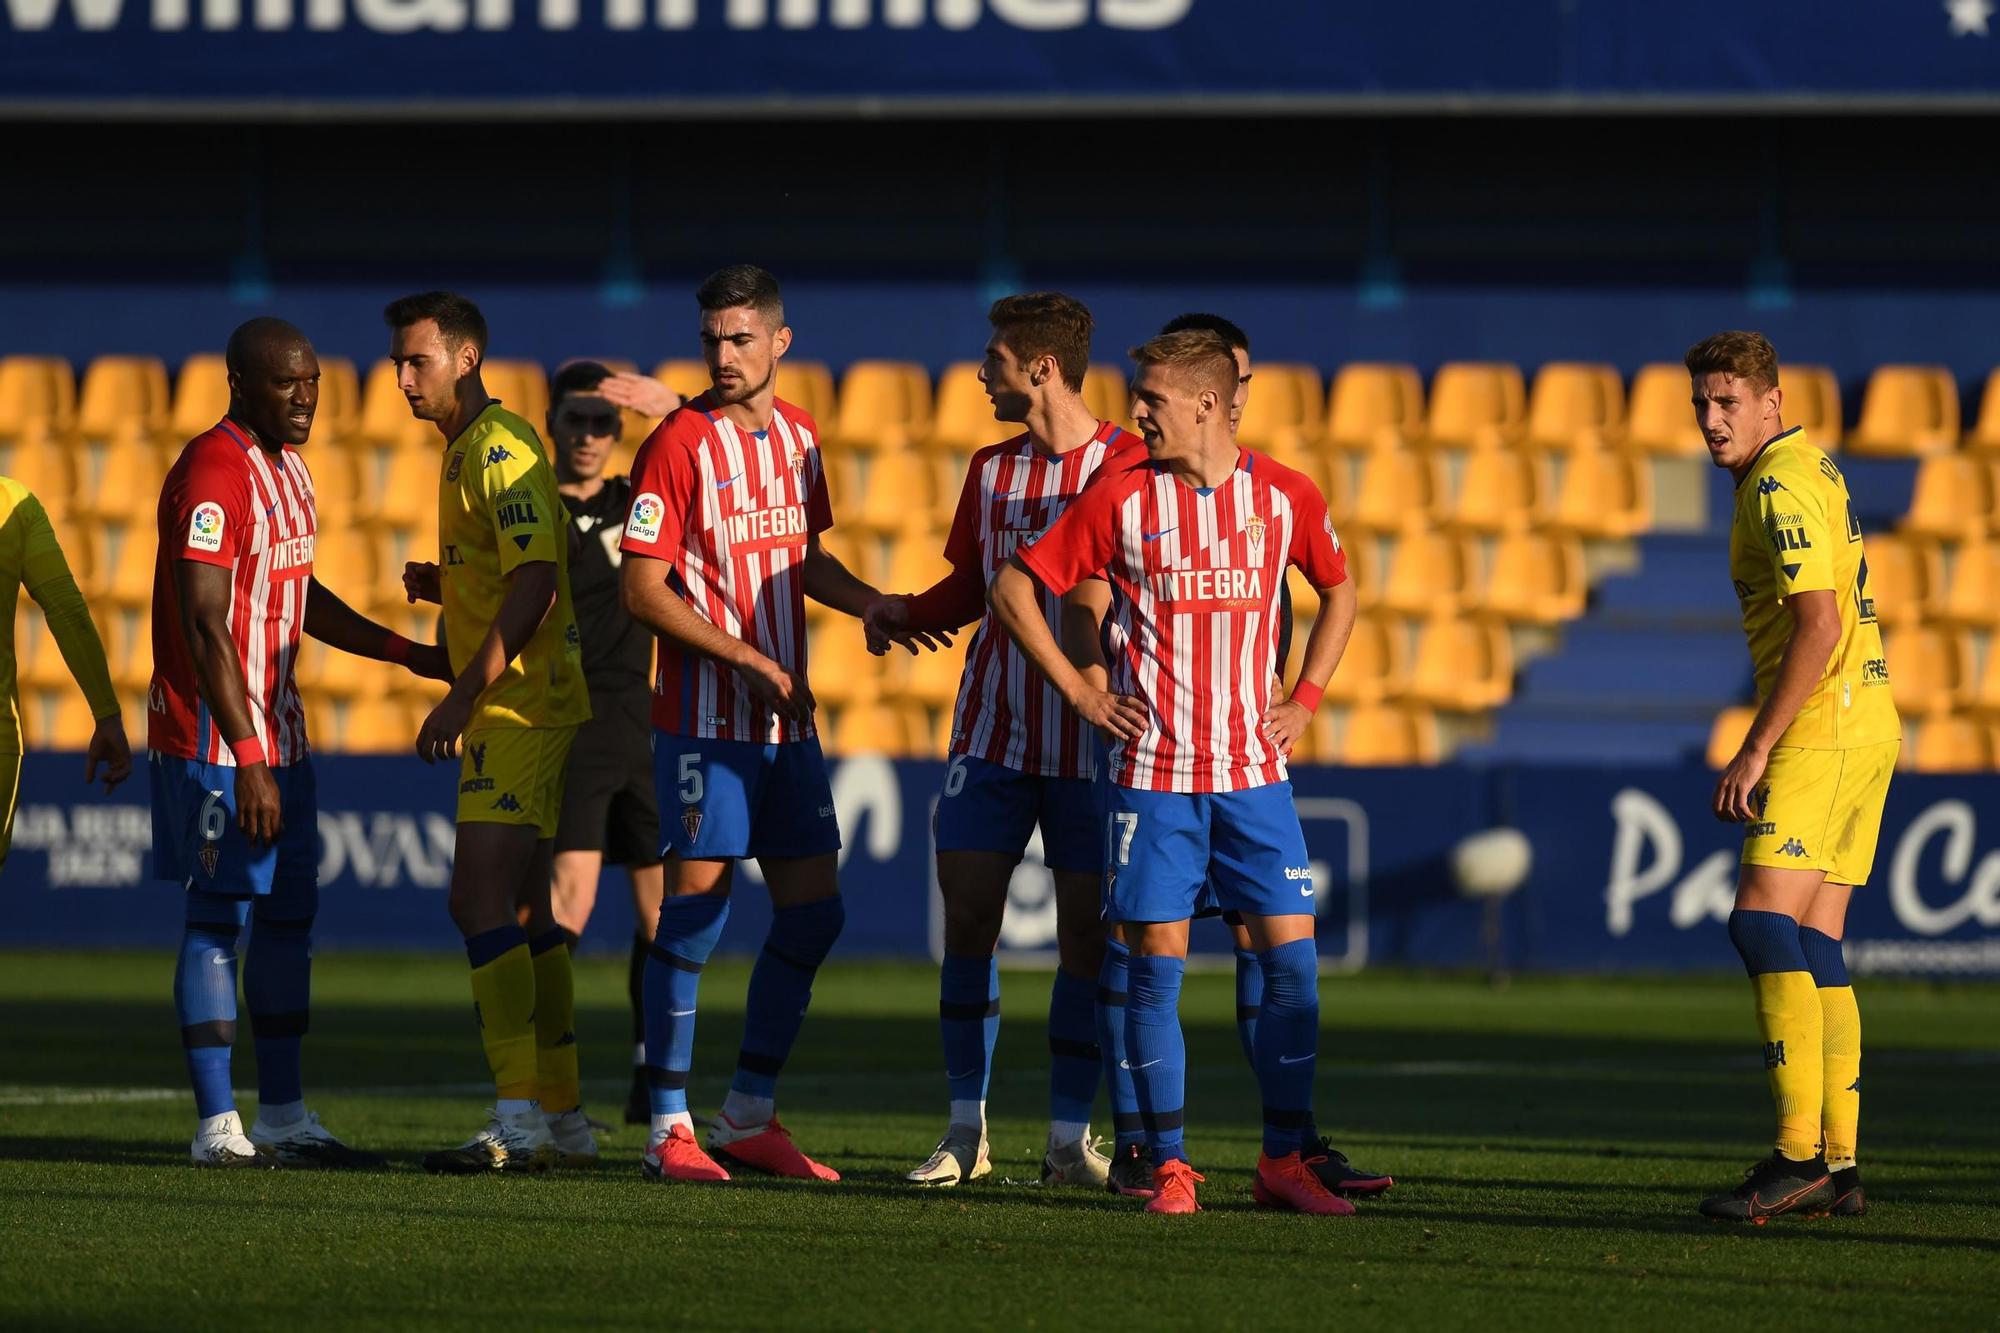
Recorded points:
(640, 393)
(531, 594)
(1084, 609)
(647, 597)
(206, 592)
(1815, 635)
(1287, 719)
(1016, 602)
(830, 583)
(340, 627)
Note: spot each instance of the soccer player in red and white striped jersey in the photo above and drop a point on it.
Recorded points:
(720, 550)
(1194, 540)
(1020, 756)
(234, 814)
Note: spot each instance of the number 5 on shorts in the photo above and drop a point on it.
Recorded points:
(691, 779)
(1126, 823)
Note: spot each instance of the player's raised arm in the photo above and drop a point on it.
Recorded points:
(206, 592)
(339, 626)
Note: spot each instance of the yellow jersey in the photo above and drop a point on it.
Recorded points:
(498, 509)
(31, 558)
(1795, 531)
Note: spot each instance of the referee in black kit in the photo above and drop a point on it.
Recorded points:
(608, 813)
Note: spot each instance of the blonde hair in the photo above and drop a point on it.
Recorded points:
(1198, 358)
(1747, 356)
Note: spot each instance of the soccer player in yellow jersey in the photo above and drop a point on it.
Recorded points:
(31, 558)
(1810, 779)
(509, 718)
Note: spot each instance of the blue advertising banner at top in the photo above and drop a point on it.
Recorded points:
(885, 55)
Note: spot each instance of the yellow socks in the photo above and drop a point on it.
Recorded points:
(503, 997)
(555, 1022)
(1788, 1017)
(1840, 1023)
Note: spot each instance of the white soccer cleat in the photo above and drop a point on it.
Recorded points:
(221, 1142)
(960, 1156)
(1078, 1163)
(519, 1142)
(306, 1142)
(576, 1145)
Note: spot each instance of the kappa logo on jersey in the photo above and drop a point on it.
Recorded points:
(205, 527)
(508, 803)
(644, 523)
(497, 454)
(1766, 485)
(1792, 847)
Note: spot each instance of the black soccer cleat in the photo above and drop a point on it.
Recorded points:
(1848, 1198)
(1775, 1186)
(639, 1101)
(1131, 1172)
(1338, 1174)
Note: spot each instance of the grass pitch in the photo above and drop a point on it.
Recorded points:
(1549, 1140)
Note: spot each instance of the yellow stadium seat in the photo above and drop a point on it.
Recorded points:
(406, 496)
(807, 385)
(1604, 495)
(1464, 666)
(1500, 492)
(65, 723)
(841, 670)
(684, 377)
(1953, 497)
(344, 561)
(1430, 573)
(933, 677)
(1725, 738)
(897, 493)
(1384, 735)
(1574, 405)
(1972, 598)
(336, 484)
(1928, 668)
(1536, 578)
(964, 420)
(522, 388)
(872, 728)
(375, 725)
(123, 396)
(1905, 577)
(1283, 412)
(339, 412)
(859, 552)
(1373, 667)
(1662, 420)
(126, 484)
(1332, 474)
(1984, 696)
(36, 393)
(916, 562)
(1107, 391)
(48, 470)
(38, 663)
(385, 412)
(884, 405)
(1812, 399)
(1400, 489)
(1367, 400)
(122, 564)
(1476, 404)
(1952, 745)
(201, 395)
(1983, 437)
(1906, 411)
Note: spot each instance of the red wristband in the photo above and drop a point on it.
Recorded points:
(1307, 695)
(396, 649)
(248, 751)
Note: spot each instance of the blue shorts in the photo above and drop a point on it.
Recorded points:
(722, 800)
(1166, 851)
(198, 842)
(987, 807)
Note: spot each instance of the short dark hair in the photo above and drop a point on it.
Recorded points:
(458, 319)
(741, 285)
(1746, 356)
(257, 339)
(1039, 324)
(1198, 358)
(576, 377)
(1199, 322)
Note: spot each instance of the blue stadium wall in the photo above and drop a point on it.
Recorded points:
(1630, 871)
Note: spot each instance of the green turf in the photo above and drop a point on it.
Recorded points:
(1549, 1139)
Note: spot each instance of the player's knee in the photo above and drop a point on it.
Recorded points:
(1291, 976)
(1766, 942)
(289, 906)
(971, 927)
(1080, 947)
(805, 933)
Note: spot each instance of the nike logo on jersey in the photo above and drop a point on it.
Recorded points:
(1122, 1064)
(680, 1013)
(725, 485)
(1154, 536)
(1294, 1059)
(1306, 892)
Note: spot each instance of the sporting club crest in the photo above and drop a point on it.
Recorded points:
(691, 821)
(211, 855)
(1253, 528)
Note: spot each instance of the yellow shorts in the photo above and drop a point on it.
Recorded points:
(1821, 810)
(514, 775)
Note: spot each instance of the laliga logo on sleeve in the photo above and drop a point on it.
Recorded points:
(644, 525)
(205, 527)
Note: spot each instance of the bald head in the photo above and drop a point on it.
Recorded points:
(273, 381)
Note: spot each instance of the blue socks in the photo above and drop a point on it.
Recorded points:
(1157, 1052)
(781, 989)
(1824, 958)
(1287, 1043)
(968, 1025)
(1249, 1001)
(1112, 981)
(689, 928)
(1074, 1055)
(277, 987)
(205, 996)
(1767, 942)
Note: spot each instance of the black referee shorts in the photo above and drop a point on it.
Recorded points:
(608, 802)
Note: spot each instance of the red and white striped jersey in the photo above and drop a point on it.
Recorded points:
(1007, 712)
(1193, 623)
(731, 512)
(228, 502)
